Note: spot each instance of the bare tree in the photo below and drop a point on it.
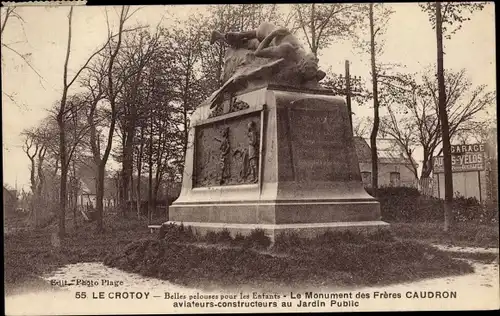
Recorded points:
(451, 14)
(139, 167)
(361, 127)
(11, 13)
(37, 143)
(377, 28)
(188, 84)
(61, 113)
(116, 79)
(31, 148)
(413, 106)
(335, 82)
(323, 23)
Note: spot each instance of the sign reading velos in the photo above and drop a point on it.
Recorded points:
(463, 158)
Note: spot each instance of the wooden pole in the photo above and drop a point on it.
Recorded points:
(445, 130)
(479, 185)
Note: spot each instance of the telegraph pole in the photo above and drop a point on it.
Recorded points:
(348, 86)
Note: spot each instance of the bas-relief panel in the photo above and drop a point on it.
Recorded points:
(227, 152)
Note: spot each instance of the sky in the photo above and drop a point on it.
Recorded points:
(410, 41)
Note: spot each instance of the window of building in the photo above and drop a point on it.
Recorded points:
(367, 178)
(395, 179)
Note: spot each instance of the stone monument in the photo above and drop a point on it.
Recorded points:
(272, 149)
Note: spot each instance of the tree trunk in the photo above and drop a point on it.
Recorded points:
(185, 98)
(75, 206)
(63, 194)
(34, 199)
(314, 48)
(150, 194)
(74, 195)
(376, 119)
(138, 196)
(124, 190)
(150, 187)
(100, 197)
(426, 165)
(64, 176)
(443, 117)
(121, 173)
(156, 189)
(139, 174)
(127, 164)
(167, 200)
(131, 192)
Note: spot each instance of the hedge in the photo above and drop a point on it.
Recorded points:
(404, 204)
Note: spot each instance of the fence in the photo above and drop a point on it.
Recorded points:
(426, 186)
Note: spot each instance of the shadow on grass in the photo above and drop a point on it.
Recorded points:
(339, 259)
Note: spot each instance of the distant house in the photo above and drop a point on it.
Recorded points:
(394, 165)
(9, 200)
(87, 194)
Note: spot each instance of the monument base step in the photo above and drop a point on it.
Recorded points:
(305, 230)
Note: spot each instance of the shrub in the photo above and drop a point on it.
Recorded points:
(258, 238)
(211, 237)
(224, 236)
(239, 239)
(176, 233)
(402, 204)
(486, 238)
(395, 191)
(470, 209)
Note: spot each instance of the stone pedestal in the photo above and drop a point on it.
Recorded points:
(274, 158)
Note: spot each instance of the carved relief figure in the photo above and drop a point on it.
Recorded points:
(250, 155)
(224, 147)
(253, 152)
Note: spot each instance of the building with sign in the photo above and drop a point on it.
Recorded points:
(471, 168)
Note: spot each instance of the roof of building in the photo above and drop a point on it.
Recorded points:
(11, 193)
(388, 151)
(363, 150)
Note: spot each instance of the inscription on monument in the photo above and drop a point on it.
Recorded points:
(319, 145)
(227, 152)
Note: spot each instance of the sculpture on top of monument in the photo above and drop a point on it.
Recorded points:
(270, 53)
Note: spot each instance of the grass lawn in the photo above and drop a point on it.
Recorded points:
(463, 234)
(338, 259)
(29, 253)
(218, 260)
